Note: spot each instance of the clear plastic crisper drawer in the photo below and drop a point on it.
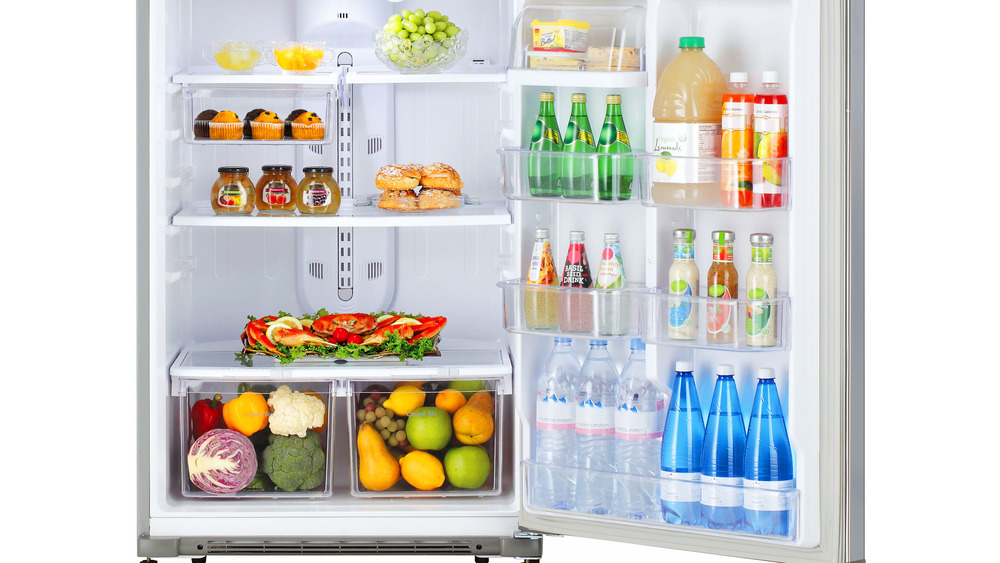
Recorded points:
(751, 509)
(758, 325)
(278, 456)
(569, 311)
(284, 101)
(426, 439)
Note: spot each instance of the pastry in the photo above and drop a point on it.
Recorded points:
(201, 123)
(440, 176)
(263, 125)
(304, 125)
(434, 198)
(613, 58)
(403, 200)
(225, 126)
(398, 177)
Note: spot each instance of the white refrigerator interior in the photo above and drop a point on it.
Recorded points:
(204, 273)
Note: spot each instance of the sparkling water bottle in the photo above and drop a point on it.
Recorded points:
(595, 431)
(722, 456)
(638, 418)
(680, 458)
(767, 469)
(555, 426)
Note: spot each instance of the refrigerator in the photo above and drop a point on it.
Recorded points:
(201, 274)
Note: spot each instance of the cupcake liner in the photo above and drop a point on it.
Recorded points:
(225, 131)
(267, 131)
(303, 131)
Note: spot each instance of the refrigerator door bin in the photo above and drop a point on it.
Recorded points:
(784, 502)
(656, 187)
(552, 310)
(748, 328)
(191, 392)
(606, 178)
(449, 428)
(281, 100)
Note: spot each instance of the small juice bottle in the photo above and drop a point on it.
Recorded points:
(723, 285)
(737, 142)
(770, 140)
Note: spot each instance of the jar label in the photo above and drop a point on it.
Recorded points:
(231, 195)
(316, 194)
(277, 193)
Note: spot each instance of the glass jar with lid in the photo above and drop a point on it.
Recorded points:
(319, 193)
(276, 190)
(233, 193)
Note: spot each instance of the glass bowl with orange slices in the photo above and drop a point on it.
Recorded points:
(299, 57)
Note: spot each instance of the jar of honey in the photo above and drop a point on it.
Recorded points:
(318, 192)
(233, 193)
(276, 190)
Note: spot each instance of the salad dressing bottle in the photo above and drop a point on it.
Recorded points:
(723, 285)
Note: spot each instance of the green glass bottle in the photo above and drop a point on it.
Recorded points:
(577, 173)
(614, 175)
(543, 170)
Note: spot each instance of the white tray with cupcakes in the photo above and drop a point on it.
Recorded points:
(415, 188)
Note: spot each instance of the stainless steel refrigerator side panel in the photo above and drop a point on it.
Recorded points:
(142, 271)
(856, 288)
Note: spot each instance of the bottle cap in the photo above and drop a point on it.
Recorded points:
(611, 238)
(761, 238)
(276, 168)
(739, 77)
(765, 373)
(233, 169)
(692, 43)
(637, 344)
(541, 233)
(614, 99)
(725, 369)
(598, 343)
(575, 236)
(547, 97)
(563, 340)
(769, 77)
(685, 235)
(578, 98)
(684, 366)
(723, 237)
(318, 170)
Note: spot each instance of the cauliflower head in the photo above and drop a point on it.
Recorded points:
(294, 413)
(294, 463)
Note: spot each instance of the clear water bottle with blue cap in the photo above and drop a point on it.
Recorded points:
(595, 430)
(722, 456)
(555, 429)
(638, 420)
(768, 475)
(680, 457)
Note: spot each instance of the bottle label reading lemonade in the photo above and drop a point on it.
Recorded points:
(686, 140)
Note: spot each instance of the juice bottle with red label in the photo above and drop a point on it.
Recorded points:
(576, 303)
(770, 126)
(723, 286)
(737, 142)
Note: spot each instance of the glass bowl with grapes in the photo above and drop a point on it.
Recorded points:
(419, 43)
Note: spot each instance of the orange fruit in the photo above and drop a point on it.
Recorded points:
(450, 400)
(422, 470)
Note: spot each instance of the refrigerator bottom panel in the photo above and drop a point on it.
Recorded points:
(476, 545)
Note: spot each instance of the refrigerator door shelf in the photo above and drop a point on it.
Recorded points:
(572, 312)
(606, 173)
(657, 188)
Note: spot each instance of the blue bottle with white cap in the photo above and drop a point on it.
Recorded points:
(555, 429)
(722, 456)
(768, 476)
(680, 457)
(595, 431)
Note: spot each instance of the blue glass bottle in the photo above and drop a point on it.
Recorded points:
(680, 456)
(722, 456)
(768, 477)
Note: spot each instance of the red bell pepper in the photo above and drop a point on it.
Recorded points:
(206, 414)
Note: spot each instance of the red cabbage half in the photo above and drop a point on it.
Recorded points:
(221, 461)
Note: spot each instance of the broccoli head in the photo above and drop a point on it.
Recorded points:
(294, 463)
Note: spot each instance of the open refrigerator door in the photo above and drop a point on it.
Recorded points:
(422, 433)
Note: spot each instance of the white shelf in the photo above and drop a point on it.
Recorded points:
(578, 78)
(262, 76)
(471, 214)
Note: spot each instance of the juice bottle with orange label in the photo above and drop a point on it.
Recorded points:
(541, 305)
(737, 142)
(770, 126)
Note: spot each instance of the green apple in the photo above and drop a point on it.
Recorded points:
(428, 428)
(467, 467)
(468, 387)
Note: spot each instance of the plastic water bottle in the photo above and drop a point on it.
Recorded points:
(767, 469)
(722, 456)
(638, 418)
(595, 431)
(680, 458)
(555, 426)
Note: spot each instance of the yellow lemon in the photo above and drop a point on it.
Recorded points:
(404, 400)
(422, 470)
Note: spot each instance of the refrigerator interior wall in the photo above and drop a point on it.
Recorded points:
(740, 36)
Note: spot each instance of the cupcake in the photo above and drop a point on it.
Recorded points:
(262, 124)
(226, 126)
(304, 125)
(201, 123)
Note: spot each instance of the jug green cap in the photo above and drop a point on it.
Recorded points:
(692, 42)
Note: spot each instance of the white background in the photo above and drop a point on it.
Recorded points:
(68, 260)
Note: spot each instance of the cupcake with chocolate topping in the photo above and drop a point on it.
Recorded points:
(261, 124)
(226, 126)
(201, 123)
(304, 125)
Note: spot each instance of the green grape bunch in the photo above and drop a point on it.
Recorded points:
(416, 38)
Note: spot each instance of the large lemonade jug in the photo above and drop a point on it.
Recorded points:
(687, 122)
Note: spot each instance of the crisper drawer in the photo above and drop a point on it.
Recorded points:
(426, 439)
(268, 439)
